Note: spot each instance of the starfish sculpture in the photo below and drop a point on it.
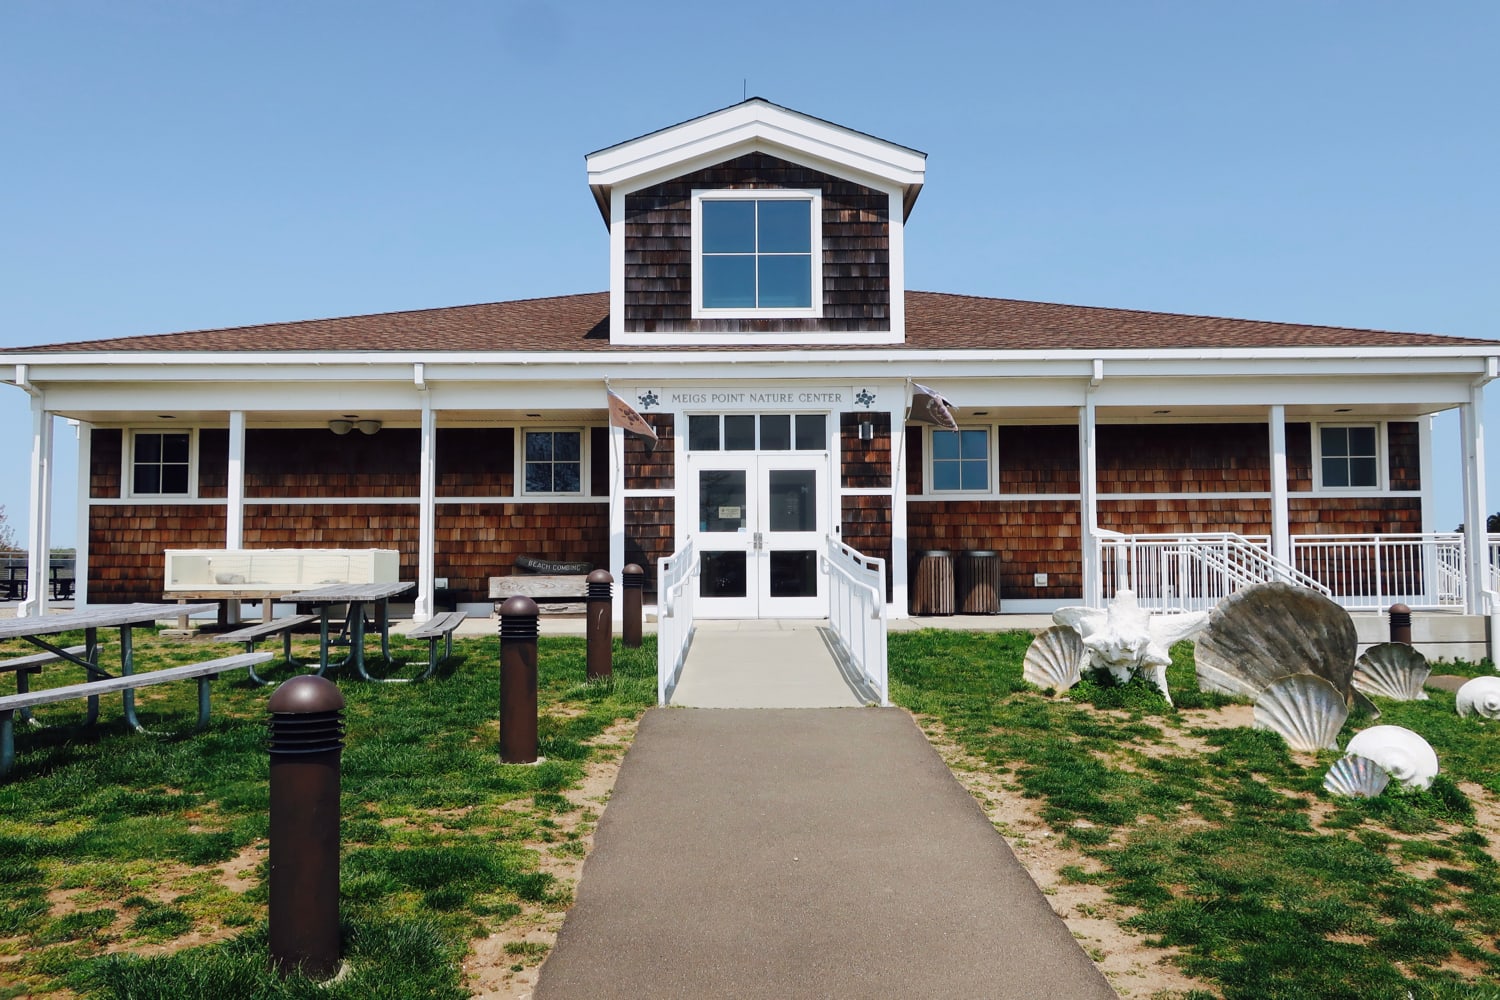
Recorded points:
(1126, 639)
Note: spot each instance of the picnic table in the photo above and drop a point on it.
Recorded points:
(90, 619)
(352, 631)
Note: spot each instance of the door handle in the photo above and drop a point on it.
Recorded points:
(759, 542)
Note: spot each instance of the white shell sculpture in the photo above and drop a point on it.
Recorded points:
(1125, 639)
(1306, 710)
(1270, 630)
(1054, 659)
(1356, 777)
(1407, 756)
(1392, 670)
(1481, 697)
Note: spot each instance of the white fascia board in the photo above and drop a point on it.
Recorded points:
(159, 369)
(712, 134)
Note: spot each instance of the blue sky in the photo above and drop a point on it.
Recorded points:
(180, 165)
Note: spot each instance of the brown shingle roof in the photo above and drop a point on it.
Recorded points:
(934, 321)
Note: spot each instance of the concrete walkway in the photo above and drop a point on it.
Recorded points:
(765, 664)
(803, 853)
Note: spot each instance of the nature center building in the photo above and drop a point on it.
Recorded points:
(758, 319)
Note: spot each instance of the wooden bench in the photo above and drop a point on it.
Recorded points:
(25, 666)
(201, 672)
(553, 594)
(252, 634)
(440, 626)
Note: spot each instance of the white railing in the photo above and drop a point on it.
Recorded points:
(1189, 572)
(1493, 580)
(675, 591)
(857, 612)
(1372, 572)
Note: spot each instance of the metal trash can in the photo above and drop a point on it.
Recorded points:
(979, 582)
(932, 593)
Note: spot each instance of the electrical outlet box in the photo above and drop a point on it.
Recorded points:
(1039, 579)
(440, 582)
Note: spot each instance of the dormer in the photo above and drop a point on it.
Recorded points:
(756, 225)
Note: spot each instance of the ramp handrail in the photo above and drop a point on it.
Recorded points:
(674, 619)
(857, 612)
(1191, 572)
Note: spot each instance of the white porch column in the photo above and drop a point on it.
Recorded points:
(427, 514)
(617, 522)
(234, 507)
(1281, 525)
(234, 515)
(1476, 540)
(39, 527)
(1088, 502)
(81, 547)
(897, 567)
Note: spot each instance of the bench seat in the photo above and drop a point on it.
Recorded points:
(563, 594)
(25, 666)
(252, 634)
(439, 626)
(201, 672)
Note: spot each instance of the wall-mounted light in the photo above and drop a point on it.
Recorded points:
(341, 427)
(368, 426)
(867, 430)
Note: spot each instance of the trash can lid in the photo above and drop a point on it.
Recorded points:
(939, 553)
(979, 553)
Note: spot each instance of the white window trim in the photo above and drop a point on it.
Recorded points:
(585, 487)
(989, 462)
(815, 196)
(129, 471)
(1382, 465)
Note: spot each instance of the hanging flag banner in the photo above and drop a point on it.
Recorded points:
(930, 407)
(622, 414)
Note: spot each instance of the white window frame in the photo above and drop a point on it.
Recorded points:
(129, 471)
(814, 196)
(989, 461)
(1382, 470)
(584, 485)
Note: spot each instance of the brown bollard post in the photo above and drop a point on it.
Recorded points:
(634, 580)
(518, 633)
(1401, 623)
(601, 638)
(307, 741)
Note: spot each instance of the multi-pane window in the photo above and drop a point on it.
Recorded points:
(554, 462)
(759, 253)
(1350, 457)
(162, 463)
(960, 460)
(765, 432)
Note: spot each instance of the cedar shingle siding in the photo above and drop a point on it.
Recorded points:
(658, 250)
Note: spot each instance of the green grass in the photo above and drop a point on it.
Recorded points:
(1213, 844)
(111, 840)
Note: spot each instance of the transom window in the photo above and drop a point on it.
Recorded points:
(554, 461)
(961, 460)
(758, 432)
(757, 253)
(1350, 457)
(162, 463)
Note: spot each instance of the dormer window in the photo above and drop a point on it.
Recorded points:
(757, 253)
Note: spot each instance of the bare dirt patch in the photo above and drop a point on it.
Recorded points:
(505, 964)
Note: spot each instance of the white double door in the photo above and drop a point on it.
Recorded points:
(760, 521)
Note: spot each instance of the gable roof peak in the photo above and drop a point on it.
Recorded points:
(753, 125)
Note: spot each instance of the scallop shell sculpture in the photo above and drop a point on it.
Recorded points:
(1481, 697)
(1272, 630)
(1392, 670)
(1403, 753)
(1054, 659)
(1356, 777)
(1306, 710)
